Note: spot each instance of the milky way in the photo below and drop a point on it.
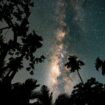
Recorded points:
(56, 65)
(86, 39)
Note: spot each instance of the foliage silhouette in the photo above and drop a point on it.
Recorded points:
(18, 43)
(62, 99)
(44, 96)
(21, 43)
(18, 93)
(100, 65)
(89, 93)
(74, 64)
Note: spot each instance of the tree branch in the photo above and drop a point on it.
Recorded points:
(4, 28)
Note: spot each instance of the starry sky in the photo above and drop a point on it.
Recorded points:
(85, 35)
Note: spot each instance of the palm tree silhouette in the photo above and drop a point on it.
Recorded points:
(74, 64)
(45, 97)
(100, 64)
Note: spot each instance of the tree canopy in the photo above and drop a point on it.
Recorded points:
(18, 42)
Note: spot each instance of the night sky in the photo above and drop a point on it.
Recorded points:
(84, 27)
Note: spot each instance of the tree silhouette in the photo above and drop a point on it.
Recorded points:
(44, 96)
(100, 64)
(17, 93)
(89, 93)
(18, 44)
(74, 64)
(62, 99)
(21, 43)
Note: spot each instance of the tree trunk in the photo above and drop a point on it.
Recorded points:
(12, 75)
(80, 76)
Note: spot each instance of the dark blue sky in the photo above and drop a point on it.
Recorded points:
(87, 35)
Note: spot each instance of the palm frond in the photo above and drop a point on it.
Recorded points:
(99, 63)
